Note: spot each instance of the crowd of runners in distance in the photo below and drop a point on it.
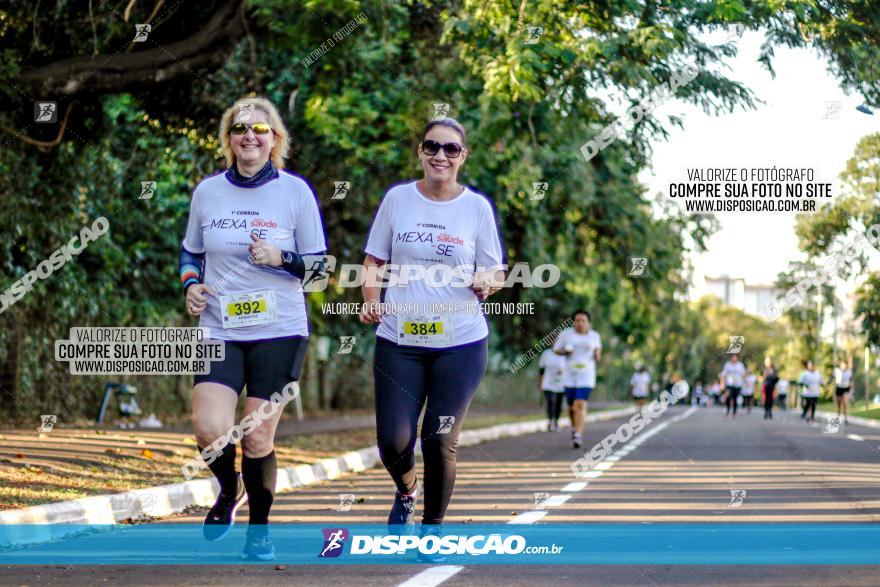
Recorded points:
(570, 371)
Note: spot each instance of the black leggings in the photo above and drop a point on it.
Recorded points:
(732, 394)
(768, 402)
(810, 406)
(406, 378)
(554, 404)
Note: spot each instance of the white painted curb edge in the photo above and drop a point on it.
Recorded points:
(51, 521)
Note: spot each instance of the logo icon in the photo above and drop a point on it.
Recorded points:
(446, 424)
(736, 33)
(340, 190)
(832, 426)
(540, 500)
(736, 497)
(148, 188)
(346, 345)
(318, 271)
(539, 190)
(736, 344)
(144, 503)
(244, 112)
(441, 110)
(345, 502)
(533, 34)
(334, 540)
(141, 31)
(47, 423)
(832, 109)
(46, 112)
(637, 266)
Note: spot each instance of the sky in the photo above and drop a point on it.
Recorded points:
(793, 128)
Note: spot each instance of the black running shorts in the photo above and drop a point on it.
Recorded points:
(264, 366)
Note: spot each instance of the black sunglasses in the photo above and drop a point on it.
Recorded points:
(431, 148)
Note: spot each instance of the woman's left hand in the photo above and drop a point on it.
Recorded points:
(264, 253)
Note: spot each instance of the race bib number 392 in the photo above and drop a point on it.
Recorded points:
(249, 309)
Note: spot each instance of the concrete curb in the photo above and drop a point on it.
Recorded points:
(852, 419)
(51, 521)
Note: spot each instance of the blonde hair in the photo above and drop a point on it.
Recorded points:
(282, 137)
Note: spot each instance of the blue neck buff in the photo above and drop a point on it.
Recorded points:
(264, 175)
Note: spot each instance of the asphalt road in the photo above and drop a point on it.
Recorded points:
(682, 468)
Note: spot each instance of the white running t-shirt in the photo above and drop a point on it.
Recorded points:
(812, 381)
(842, 377)
(450, 240)
(640, 382)
(580, 365)
(733, 373)
(221, 219)
(554, 369)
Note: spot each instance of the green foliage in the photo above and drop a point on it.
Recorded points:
(355, 114)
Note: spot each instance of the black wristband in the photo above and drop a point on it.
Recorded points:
(293, 264)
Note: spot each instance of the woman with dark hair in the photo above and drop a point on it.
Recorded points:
(241, 267)
(425, 355)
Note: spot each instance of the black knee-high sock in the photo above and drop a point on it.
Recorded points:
(260, 476)
(223, 468)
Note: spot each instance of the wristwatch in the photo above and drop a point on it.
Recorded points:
(287, 258)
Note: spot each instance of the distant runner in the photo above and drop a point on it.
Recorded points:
(748, 392)
(842, 383)
(732, 379)
(582, 348)
(811, 379)
(640, 382)
(552, 369)
(770, 381)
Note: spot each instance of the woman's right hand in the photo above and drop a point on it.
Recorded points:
(371, 313)
(197, 298)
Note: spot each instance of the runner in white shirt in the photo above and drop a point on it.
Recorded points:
(444, 239)
(582, 349)
(715, 393)
(811, 380)
(241, 267)
(782, 392)
(732, 379)
(640, 383)
(552, 369)
(698, 395)
(748, 391)
(842, 384)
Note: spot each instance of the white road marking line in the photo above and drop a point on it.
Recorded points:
(603, 466)
(612, 459)
(529, 517)
(590, 475)
(557, 500)
(431, 577)
(575, 486)
(854, 437)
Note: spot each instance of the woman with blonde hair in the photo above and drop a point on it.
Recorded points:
(241, 268)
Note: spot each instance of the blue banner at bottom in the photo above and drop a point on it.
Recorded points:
(585, 544)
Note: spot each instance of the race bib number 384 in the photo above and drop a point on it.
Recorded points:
(249, 309)
(427, 331)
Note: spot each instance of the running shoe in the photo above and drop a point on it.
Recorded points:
(403, 509)
(554, 427)
(221, 518)
(257, 545)
(576, 439)
(430, 530)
